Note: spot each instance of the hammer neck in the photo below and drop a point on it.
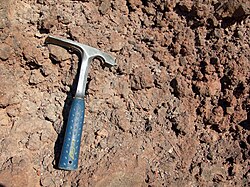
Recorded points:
(82, 81)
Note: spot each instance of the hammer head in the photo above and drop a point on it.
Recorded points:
(84, 50)
(87, 54)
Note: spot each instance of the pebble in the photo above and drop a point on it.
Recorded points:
(5, 51)
(105, 6)
(230, 110)
(47, 180)
(58, 53)
(50, 112)
(34, 142)
(4, 120)
(142, 78)
(36, 77)
(12, 110)
(119, 118)
(117, 42)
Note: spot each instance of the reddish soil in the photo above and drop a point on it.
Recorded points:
(175, 111)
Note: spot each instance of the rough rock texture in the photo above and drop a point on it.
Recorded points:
(173, 112)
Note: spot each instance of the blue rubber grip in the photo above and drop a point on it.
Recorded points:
(72, 138)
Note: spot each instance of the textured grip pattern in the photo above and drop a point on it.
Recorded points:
(72, 139)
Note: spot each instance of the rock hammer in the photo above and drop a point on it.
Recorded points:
(72, 138)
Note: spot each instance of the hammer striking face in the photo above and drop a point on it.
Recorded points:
(71, 144)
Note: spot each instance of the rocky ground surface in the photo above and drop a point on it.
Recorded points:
(173, 112)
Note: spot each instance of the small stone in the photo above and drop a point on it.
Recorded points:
(230, 110)
(217, 115)
(150, 10)
(47, 69)
(103, 133)
(182, 61)
(142, 78)
(34, 142)
(105, 6)
(47, 160)
(50, 112)
(48, 134)
(64, 18)
(58, 53)
(47, 181)
(205, 138)
(36, 77)
(29, 53)
(16, 99)
(28, 107)
(123, 86)
(48, 23)
(119, 118)
(3, 16)
(5, 51)
(117, 42)
(4, 120)
(8, 89)
(214, 87)
(12, 110)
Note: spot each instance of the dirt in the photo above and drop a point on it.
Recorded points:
(173, 112)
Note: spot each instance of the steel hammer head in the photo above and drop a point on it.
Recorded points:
(87, 54)
(85, 50)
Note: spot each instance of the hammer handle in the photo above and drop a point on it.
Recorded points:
(72, 138)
